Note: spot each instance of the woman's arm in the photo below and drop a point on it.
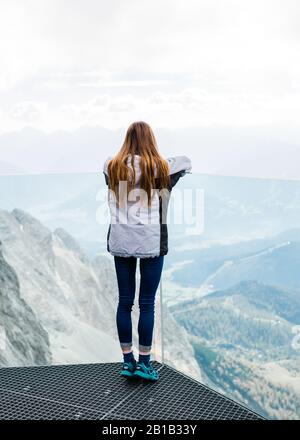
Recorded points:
(179, 163)
(178, 166)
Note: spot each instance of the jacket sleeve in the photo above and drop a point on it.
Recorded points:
(178, 166)
(104, 169)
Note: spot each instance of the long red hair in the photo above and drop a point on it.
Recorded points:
(139, 140)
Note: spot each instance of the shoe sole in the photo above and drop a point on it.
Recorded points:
(145, 376)
(126, 373)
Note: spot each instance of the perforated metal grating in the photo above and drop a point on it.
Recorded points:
(97, 391)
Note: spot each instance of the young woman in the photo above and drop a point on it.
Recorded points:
(139, 184)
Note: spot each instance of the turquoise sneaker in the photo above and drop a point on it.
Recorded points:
(148, 373)
(128, 369)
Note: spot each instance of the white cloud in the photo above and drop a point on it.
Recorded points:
(100, 100)
(27, 111)
(122, 103)
(137, 83)
(201, 63)
(241, 44)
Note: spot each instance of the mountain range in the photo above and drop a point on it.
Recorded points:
(61, 303)
(242, 337)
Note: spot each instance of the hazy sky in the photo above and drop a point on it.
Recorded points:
(203, 63)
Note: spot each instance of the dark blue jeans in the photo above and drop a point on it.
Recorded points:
(150, 270)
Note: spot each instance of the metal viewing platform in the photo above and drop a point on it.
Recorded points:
(98, 392)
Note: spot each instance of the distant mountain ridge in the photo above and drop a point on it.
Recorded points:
(249, 316)
(273, 261)
(242, 338)
(281, 302)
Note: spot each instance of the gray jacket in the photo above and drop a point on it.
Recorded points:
(141, 231)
